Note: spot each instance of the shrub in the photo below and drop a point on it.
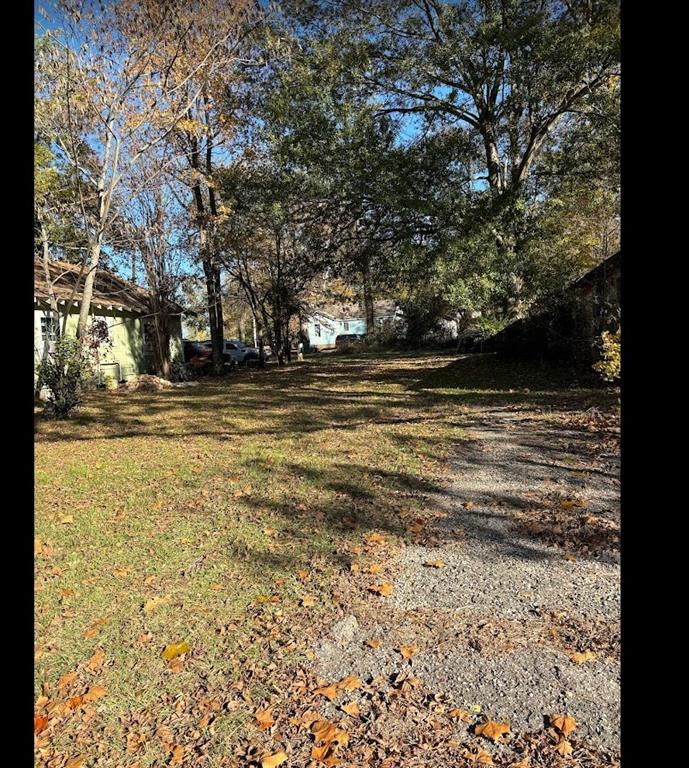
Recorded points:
(65, 372)
(609, 366)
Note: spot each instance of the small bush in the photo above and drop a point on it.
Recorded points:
(65, 373)
(609, 366)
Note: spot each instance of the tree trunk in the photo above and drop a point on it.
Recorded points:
(368, 299)
(87, 294)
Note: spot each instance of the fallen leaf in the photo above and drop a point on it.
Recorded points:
(145, 637)
(326, 731)
(94, 693)
(384, 589)
(264, 718)
(374, 538)
(460, 714)
(481, 757)
(351, 709)
(67, 519)
(175, 649)
(408, 651)
(492, 730)
(75, 701)
(415, 527)
(435, 564)
(330, 692)
(308, 601)
(373, 569)
(563, 723)
(39, 723)
(303, 575)
(66, 679)
(155, 602)
(564, 747)
(354, 567)
(177, 755)
(580, 658)
(468, 504)
(374, 643)
(96, 661)
(75, 762)
(272, 761)
(349, 683)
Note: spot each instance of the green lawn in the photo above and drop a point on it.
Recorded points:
(176, 515)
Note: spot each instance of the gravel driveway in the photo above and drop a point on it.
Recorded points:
(499, 625)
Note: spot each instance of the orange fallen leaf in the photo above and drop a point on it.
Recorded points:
(96, 661)
(175, 665)
(581, 658)
(374, 643)
(66, 679)
(384, 589)
(268, 598)
(349, 683)
(563, 723)
(492, 730)
(39, 723)
(354, 567)
(272, 761)
(408, 651)
(94, 693)
(175, 649)
(373, 569)
(177, 755)
(326, 731)
(303, 575)
(435, 564)
(374, 538)
(330, 692)
(460, 714)
(481, 757)
(75, 762)
(264, 718)
(75, 701)
(415, 527)
(564, 747)
(351, 709)
(308, 601)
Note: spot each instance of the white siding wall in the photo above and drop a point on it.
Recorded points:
(330, 329)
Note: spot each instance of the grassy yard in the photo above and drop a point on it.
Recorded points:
(187, 515)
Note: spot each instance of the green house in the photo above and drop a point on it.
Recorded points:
(125, 307)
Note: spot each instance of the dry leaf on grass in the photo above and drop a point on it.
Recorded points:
(264, 719)
(303, 575)
(374, 643)
(435, 564)
(94, 693)
(155, 602)
(96, 661)
(351, 709)
(328, 732)
(385, 589)
(177, 755)
(66, 679)
(308, 601)
(272, 761)
(460, 714)
(174, 650)
(39, 723)
(492, 730)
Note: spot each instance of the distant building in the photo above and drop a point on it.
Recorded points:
(124, 306)
(326, 323)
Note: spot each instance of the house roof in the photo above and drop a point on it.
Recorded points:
(109, 289)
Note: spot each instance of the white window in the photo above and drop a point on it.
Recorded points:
(345, 325)
(50, 328)
(317, 329)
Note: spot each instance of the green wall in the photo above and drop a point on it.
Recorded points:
(125, 332)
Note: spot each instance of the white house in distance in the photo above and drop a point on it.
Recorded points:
(326, 323)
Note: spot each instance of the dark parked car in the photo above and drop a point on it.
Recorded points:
(344, 340)
(194, 349)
